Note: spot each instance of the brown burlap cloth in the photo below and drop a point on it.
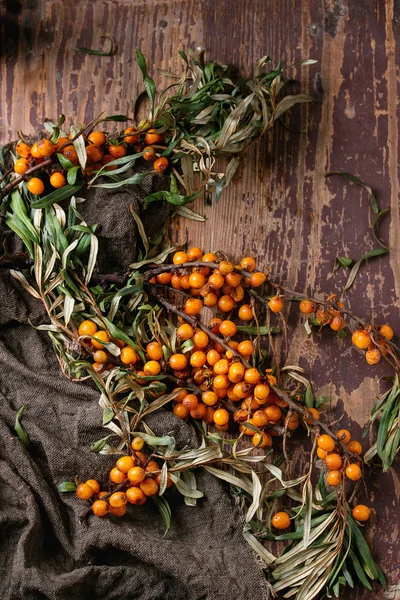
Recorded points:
(45, 552)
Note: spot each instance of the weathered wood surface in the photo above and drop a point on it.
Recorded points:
(280, 208)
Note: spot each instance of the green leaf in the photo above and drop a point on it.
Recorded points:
(98, 446)
(67, 486)
(263, 330)
(148, 81)
(375, 226)
(362, 546)
(116, 118)
(172, 198)
(356, 266)
(79, 145)
(310, 398)
(108, 415)
(64, 162)
(72, 175)
(19, 430)
(164, 509)
(120, 335)
(357, 181)
(110, 52)
(133, 180)
(342, 262)
(57, 196)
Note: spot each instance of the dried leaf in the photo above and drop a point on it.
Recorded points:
(19, 430)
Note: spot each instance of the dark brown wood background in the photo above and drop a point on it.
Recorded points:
(280, 208)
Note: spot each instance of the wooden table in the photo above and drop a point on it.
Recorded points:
(280, 208)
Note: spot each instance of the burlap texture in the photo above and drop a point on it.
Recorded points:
(46, 552)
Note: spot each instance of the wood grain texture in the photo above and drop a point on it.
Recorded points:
(280, 207)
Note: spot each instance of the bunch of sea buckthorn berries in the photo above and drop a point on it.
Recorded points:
(329, 452)
(100, 151)
(361, 338)
(133, 479)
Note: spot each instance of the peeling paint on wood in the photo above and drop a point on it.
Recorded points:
(280, 208)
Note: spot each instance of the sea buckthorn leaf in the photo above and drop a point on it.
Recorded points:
(120, 335)
(309, 398)
(148, 81)
(141, 229)
(57, 196)
(342, 262)
(184, 489)
(110, 52)
(67, 486)
(262, 330)
(19, 430)
(116, 118)
(357, 181)
(187, 213)
(133, 180)
(256, 493)
(79, 145)
(165, 511)
(359, 571)
(64, 162)
(356, 266)
(190, 480)
(172, 198)
(108, 415)
(72, 174)
(267, 557)
(375, 226)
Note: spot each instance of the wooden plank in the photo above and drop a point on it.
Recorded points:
(280, 208)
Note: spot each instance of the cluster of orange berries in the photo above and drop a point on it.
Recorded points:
(99, 151)
(360, 338)
(223, 287)
(329, 453)
(136, 477)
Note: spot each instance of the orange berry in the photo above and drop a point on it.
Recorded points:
(84, 491)
(260, 418)
(137, 443)
(246, 348)
(97, 138)
(185, 332)
(307, 307)
(353, 472)
(210, 300)
(221, 367)
(252, 376)
(386, 331)
(246, 312)
(180, 411)
(292, 422)
(58, 180)
(100, 357)
(248, 264)
(276, 304)
(343, 435)
(337, 323)
(322, 454)
(361, 339)
(190, 401)
(241, 390)
(334, 478)
(117, 476)
(225, 267)
(209, 398)
(101, 336)
(87, 328)
(94, 154)
(213, 357)
(325, 442)
(198, 359)
(94, 485)
(149, 487)
(23, 149)
(361, 512)
(221, 417)
(226, 303)
(355, 447)
(164, 278)
(322, 316)
(214, 325)
(149, 153)
(194, 253)
(257, 279)
(128, 355)
(373, 356)
(141, 458)
(100, 508)
(134, 137)
(70, 153)
(178, 362)
(273, 413)
(250, 403)
(263, 440)
(209, 415)
(152, 467)
(134, 495)
(236, 372)
(227, 328)
(136, 474)
(35, 186)
(193, 306)
(21, 166)
(280, 520)
(154, 351)
(209, 257)
(152, 137)
(125, 463)
(179, 258)
(333, 462)
(176, 281)
(161, 164)
(44, 148)
(216, 281)
(199, 411)
(117, 499)
(314, 413)
(117, 511)
(261, 392)
(197, 280)
(233, 279)
(181, 395)
(117, 151)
